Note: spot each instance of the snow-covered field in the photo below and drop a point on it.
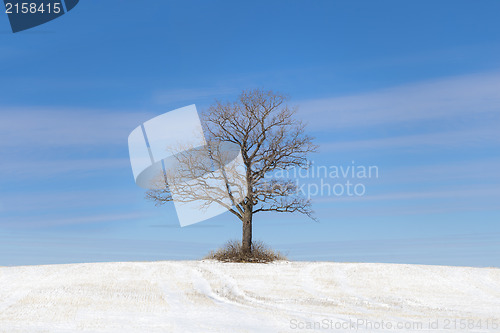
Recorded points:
(206, 296)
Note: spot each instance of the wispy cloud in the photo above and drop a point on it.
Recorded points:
(42, 200)
(476, 192)
(482, 170)
(36, 222)
(35, 169)
(455, 249)
(58, 127)
(438, 99)
(464, 138)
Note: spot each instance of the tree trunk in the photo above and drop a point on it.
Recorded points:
(246, 242)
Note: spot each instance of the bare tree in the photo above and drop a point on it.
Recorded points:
(270, 139)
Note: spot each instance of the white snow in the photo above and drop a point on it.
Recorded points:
(207, 296)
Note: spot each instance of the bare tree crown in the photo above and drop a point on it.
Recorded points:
(270, 138)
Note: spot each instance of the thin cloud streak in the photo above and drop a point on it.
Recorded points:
(480, 170)
(35, 222)
(56, 127)
(489, 192)
(424, 250)
(458, 139)
(35, 169)
(51, 201)
(439, 99)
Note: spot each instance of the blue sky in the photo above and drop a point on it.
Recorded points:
(412, 87)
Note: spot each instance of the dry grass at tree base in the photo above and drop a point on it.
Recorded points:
(232, 252)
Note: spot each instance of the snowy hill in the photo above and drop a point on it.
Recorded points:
(206, 296)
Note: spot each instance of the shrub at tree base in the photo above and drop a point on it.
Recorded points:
(232, 252)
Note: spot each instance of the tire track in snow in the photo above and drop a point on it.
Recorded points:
(232, 294)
